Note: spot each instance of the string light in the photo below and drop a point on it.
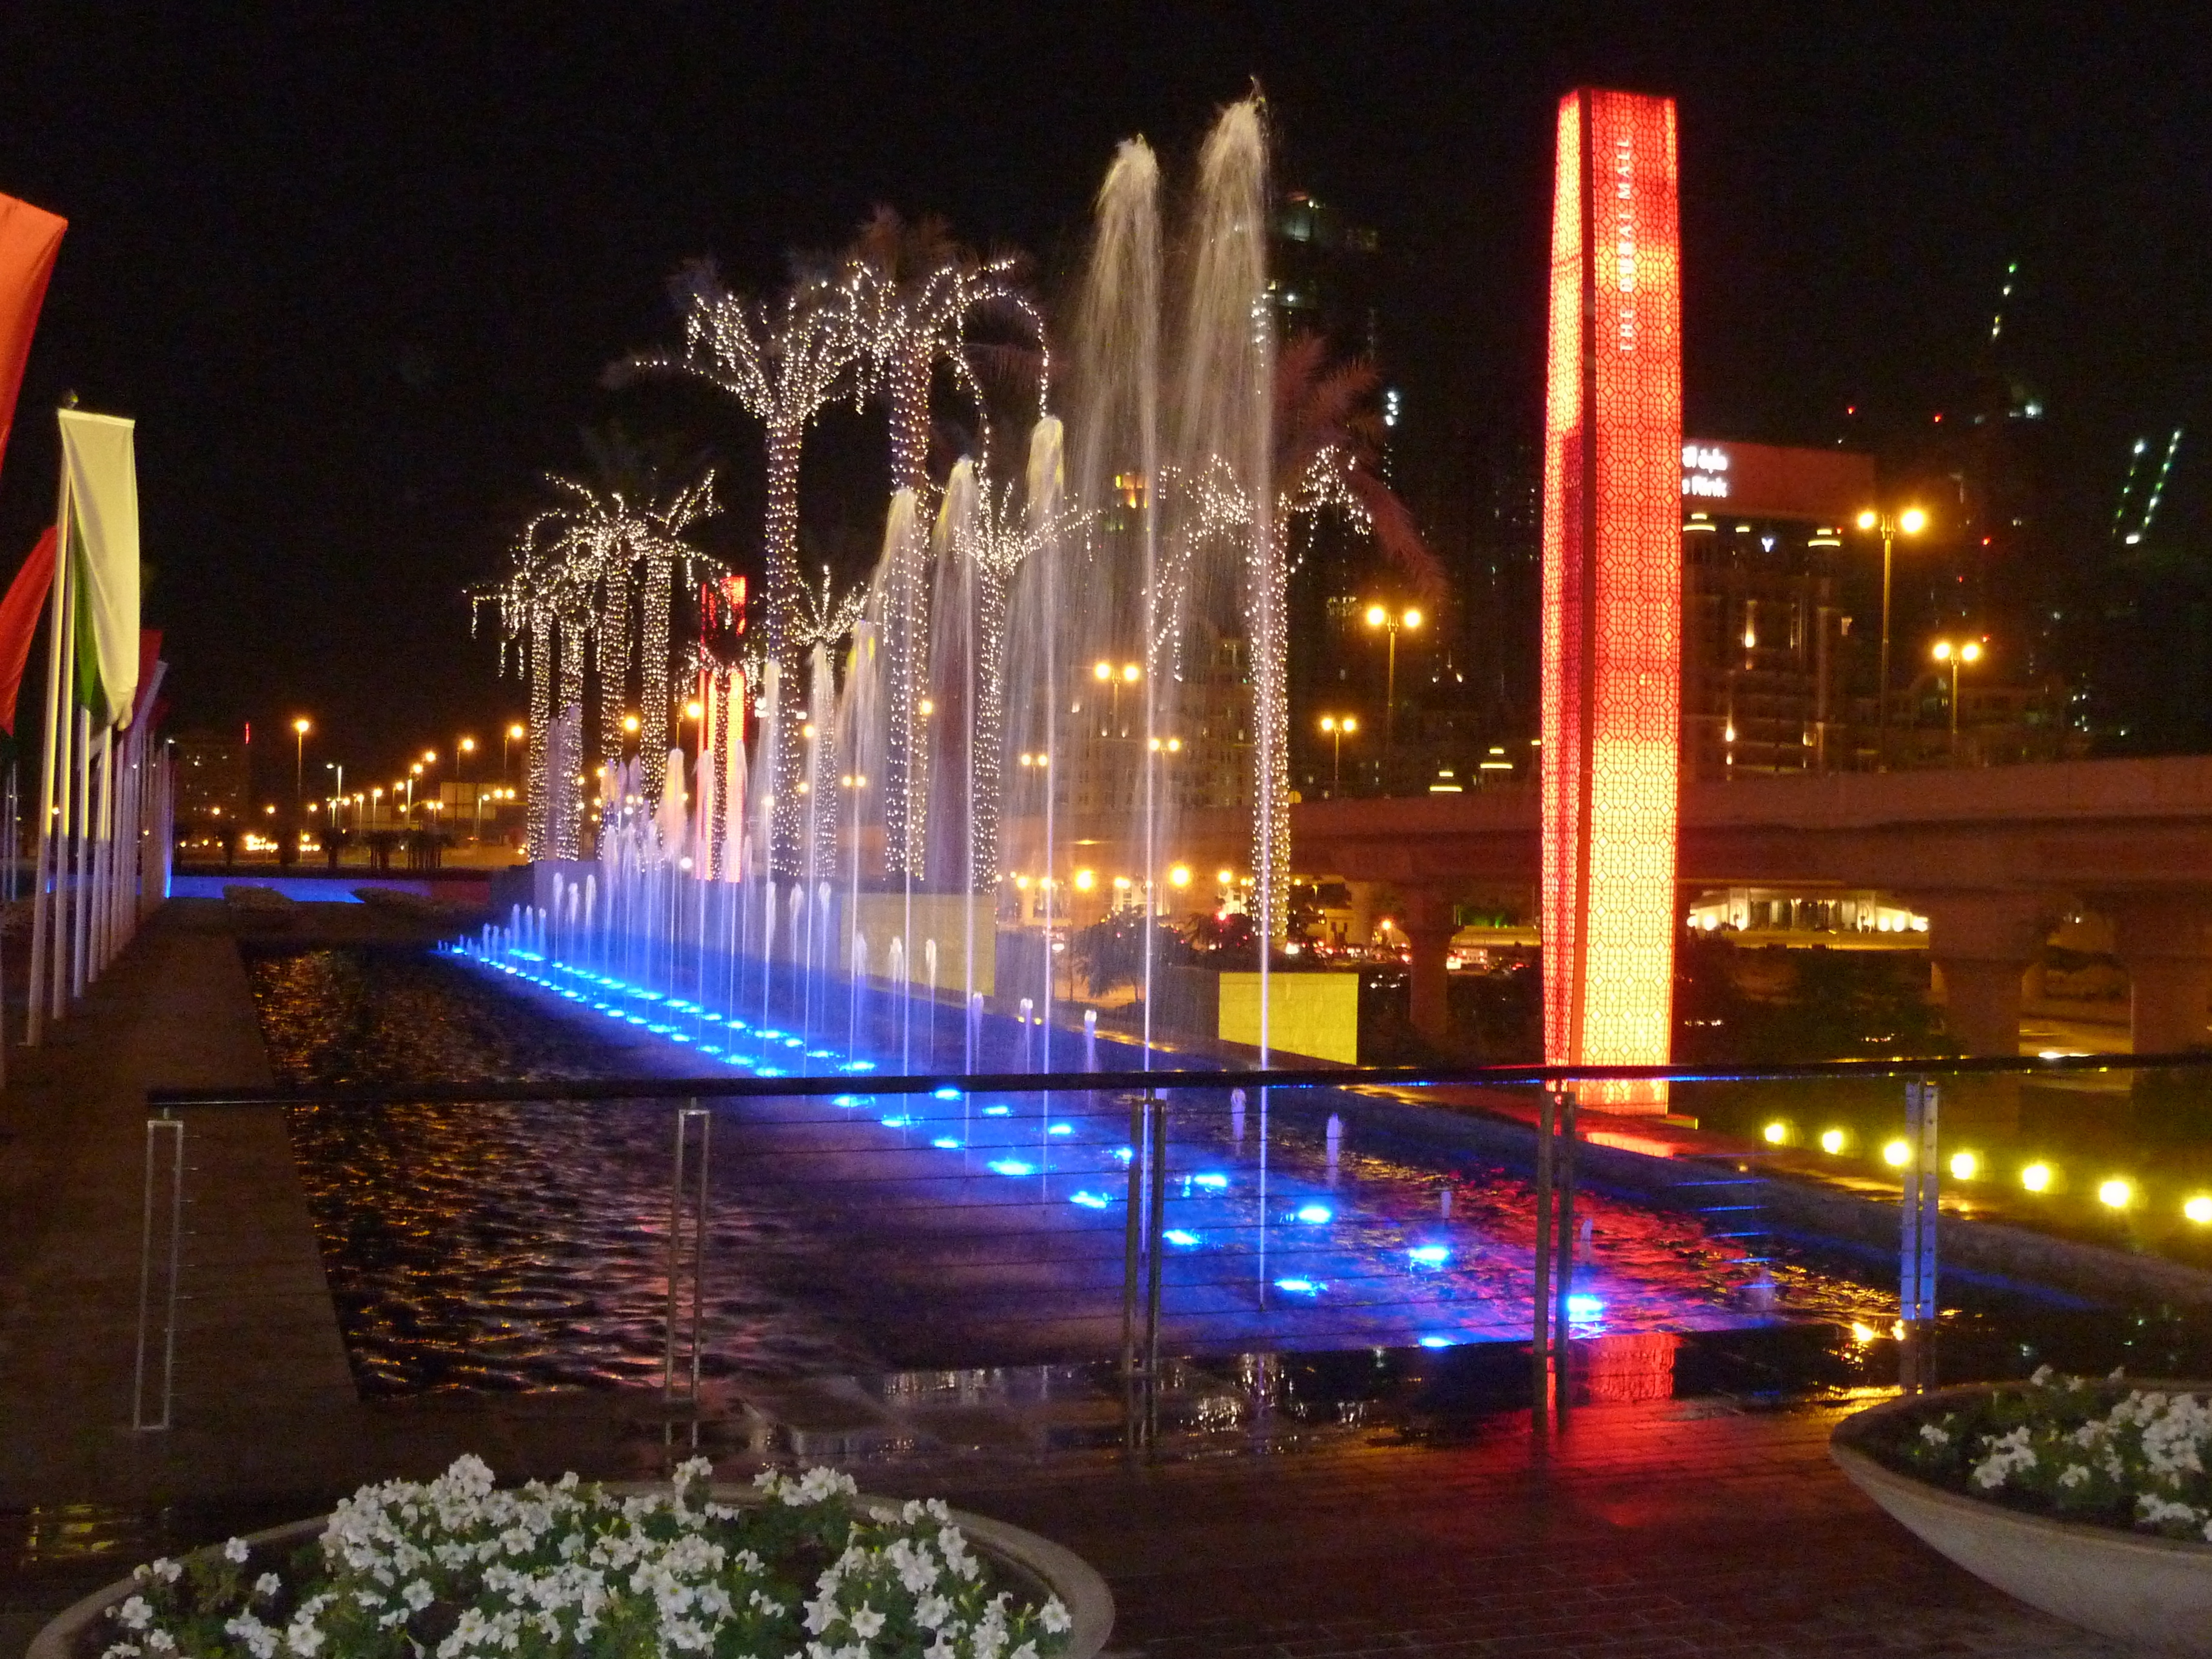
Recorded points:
(783, 361)
(997, 539)
(914, 290)
(572, 572)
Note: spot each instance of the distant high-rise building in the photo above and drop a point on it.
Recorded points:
(1769, 643)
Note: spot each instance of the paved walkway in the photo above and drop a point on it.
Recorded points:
(1675, 1527)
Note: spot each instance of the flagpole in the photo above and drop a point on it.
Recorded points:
(42, 901)
(103, 859)
(81, 844)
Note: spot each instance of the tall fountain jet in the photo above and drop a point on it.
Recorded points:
(1612, 586)
(1139, 526)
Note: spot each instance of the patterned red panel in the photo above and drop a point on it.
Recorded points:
(1612, 606)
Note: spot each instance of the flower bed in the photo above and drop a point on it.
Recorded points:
(2069, 1448)
(456, 1569)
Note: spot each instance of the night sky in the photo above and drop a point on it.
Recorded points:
(355, 270)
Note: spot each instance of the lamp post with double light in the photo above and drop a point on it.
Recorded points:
(1338, 727)
(1114, 679)
(1909, 522)
(1390, 621)
(1956, 654)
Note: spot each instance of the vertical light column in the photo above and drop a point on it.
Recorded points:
(1612, 603)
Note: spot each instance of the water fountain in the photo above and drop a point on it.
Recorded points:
(1072, 657)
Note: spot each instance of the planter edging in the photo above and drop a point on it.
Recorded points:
(1053, 1567)
(2132, 1586)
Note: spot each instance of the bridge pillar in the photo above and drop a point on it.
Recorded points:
(1429, 924)
(1982, 943)
(2160, 938)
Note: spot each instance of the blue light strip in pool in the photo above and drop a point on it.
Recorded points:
(1318, 1244)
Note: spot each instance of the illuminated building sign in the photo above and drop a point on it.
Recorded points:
(1704, 472)
(1765, 481)
(1613, 466)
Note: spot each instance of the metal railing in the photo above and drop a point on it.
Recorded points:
(788, 1151)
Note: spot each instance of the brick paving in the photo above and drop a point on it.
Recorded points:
(1664, 1530)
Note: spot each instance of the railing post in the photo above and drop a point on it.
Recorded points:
(1540, 1348)
(1563, 1289)
(1916, 1256)
(685, 1115)
(173, 1127)
(1156, 1251)
(1132, 1224)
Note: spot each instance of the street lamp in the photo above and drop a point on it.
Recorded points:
(1114, 679)
(1339, 727)
(1957, 654)
(462, 748)
(1911, 522)
(1381, 617)
(301, 727)
(513, 735)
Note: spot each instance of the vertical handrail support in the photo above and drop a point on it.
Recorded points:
(167, 1124)
(692, 1338)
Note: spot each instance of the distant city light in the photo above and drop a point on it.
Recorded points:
(2036, 1178)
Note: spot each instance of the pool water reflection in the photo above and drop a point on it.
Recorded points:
(524, 1246)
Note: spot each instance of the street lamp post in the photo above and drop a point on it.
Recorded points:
(462, 748)
(508, 738)
(1390, 622)
(1339, 727)
(301, 727)
(1114, 679)
(1909, 522)
(1957, 654)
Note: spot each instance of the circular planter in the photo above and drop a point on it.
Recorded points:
(2135, 1588)
(1042, 1568)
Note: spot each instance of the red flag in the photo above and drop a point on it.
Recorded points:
(30, 238)
(18, 620)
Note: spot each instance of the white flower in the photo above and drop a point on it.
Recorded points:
(259, 1638)
(236, 1550)
(865, 1622)
(166, 1570)
(1053, 1616)
(135, 1614)
(1933, 1435)
(268, 1584)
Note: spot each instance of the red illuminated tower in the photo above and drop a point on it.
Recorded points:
(1613, 586)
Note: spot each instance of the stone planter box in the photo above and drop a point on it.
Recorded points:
(1041, 1567)
(2132, 1586)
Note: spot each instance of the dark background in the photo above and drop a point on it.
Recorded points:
(355, 269)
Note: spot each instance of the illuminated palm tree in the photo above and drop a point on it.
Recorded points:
(915, 291)
(1329, 437)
